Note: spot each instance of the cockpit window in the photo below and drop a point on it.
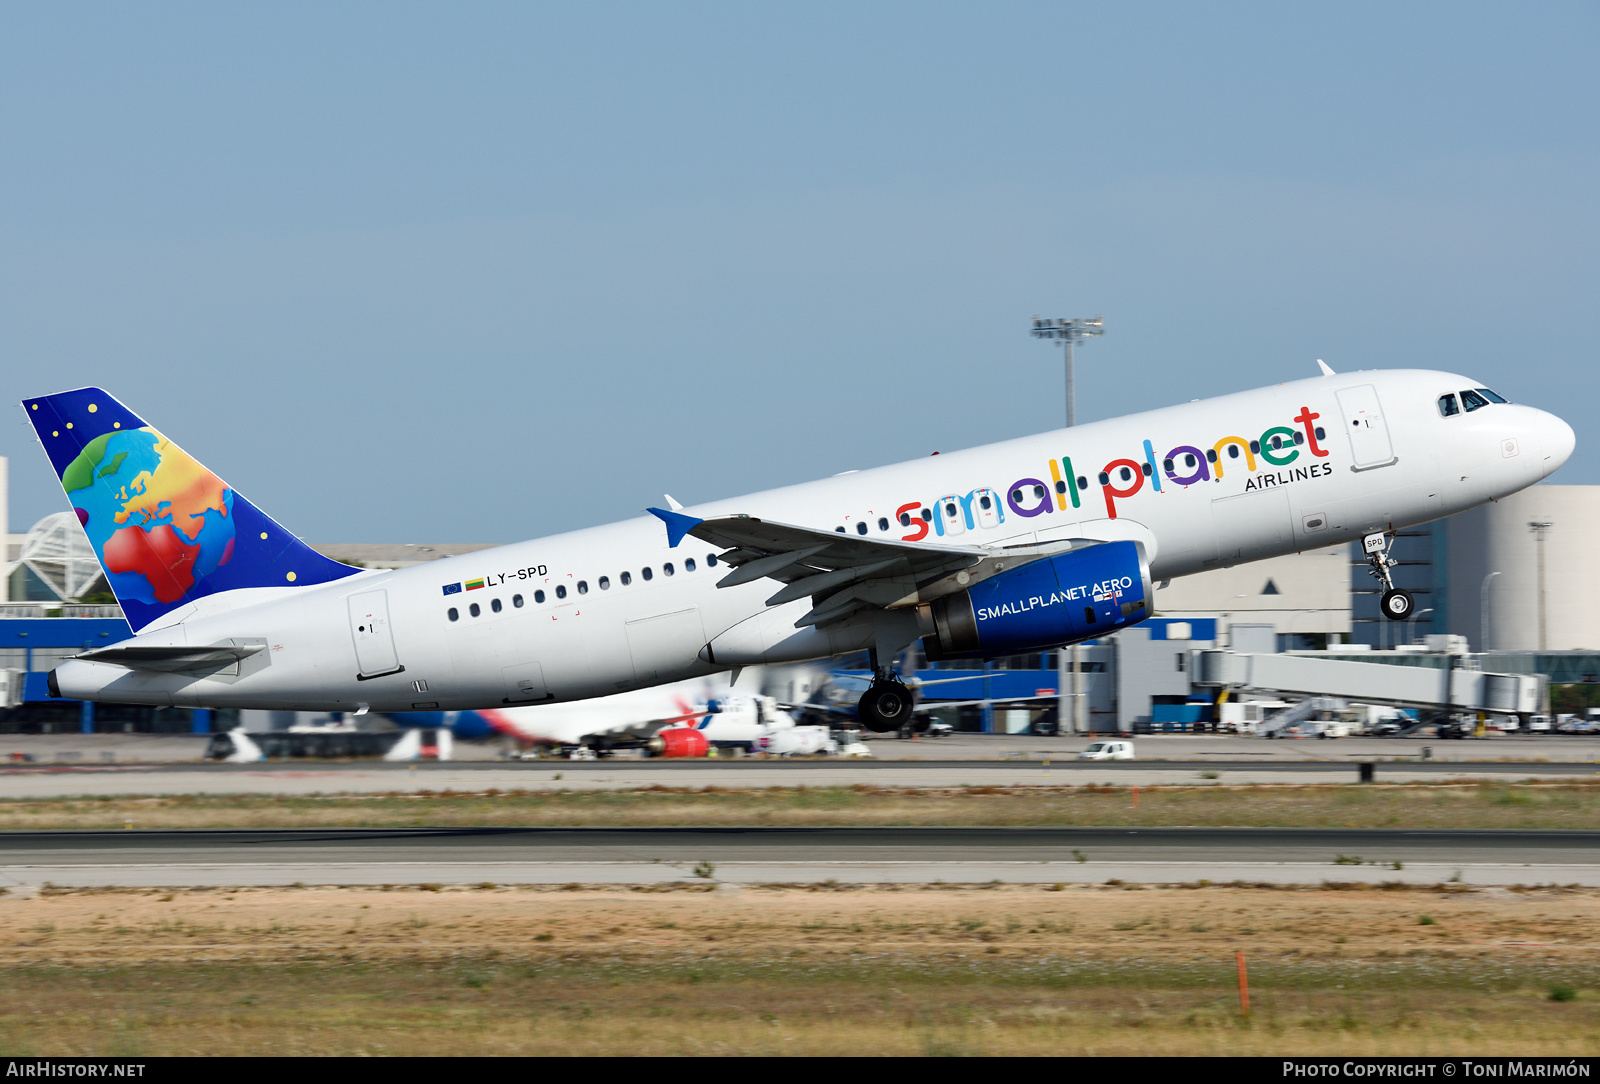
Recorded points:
(1471, 400)
(1491, 396)
(1447, 405)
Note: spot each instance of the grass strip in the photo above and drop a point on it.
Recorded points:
(857, 1006)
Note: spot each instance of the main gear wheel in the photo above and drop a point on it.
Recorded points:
(886, 705)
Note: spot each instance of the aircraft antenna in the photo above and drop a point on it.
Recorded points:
(1068, 333)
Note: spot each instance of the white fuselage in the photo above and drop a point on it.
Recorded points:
(1386, 458)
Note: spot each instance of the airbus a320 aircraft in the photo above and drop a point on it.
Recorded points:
(1013, 547)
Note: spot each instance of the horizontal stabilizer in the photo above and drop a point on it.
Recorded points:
(172, 659)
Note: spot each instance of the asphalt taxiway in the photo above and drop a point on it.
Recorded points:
(794, 855)
(376, 777)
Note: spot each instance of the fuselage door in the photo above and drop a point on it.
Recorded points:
(1364, 425)
(369, 626)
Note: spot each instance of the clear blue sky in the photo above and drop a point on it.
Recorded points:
(477, 272)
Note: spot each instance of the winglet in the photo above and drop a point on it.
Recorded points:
(677, 523)
(1324, 367)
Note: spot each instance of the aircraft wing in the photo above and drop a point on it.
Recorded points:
(841, 573)
(845, 573)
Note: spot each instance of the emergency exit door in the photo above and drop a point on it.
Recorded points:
(1364, 425)
(369, 626)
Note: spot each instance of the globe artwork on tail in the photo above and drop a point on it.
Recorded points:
(157, 518)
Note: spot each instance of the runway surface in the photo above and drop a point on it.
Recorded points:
(376, 777)
(765, 855)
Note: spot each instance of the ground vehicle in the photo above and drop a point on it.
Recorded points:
(1108, 750)
(1539, 724)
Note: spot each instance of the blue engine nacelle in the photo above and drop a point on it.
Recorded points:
(1043, 604)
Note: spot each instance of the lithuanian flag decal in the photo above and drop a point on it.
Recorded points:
(473, 585)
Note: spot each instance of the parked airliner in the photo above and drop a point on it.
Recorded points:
(1013, 547)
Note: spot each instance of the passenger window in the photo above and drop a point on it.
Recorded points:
(1211, 455)
(1299, 437)
(453, 614)
(667, 569)
(1189, 460)
(883, 523)
(905, 519)
(688, 564)
(1322, 434)
(1038, 491)
(583, 587)
(1491, 396)
(1127, 475)
(1447, 406)
(1255, 448)
(711, 560)
(1083, 483)
(1168, 465)
(538, 596)
(839, 529)
(561, 590)
(626, 578)
(927, 515)
(1144, 468)
(1061, 487)
(861, 526)
(1471, 400)
(516, 600)
(1104, 479)
(474, 610)
(605, 583)
(646, 573)
(494, 604)
(950, 511)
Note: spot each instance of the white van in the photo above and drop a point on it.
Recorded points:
(1108, 750)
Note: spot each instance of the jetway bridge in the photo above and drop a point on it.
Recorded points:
(1455, 690)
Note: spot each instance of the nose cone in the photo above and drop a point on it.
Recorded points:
(1557, 440)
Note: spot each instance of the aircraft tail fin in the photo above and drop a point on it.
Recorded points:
(165, 529)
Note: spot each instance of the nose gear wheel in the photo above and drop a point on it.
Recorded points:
(1397, 605)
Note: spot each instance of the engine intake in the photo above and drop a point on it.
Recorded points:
(1043, 604)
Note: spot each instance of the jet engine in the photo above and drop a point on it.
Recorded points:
(1073, 596)
(678, 741)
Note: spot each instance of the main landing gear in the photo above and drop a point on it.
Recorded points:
(1397, 605)
(886, 705)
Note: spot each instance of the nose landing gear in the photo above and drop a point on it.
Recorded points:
(1397, 605)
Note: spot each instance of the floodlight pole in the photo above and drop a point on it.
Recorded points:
(1067, 333)
(1483, 612)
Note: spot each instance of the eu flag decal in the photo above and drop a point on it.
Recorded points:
(452, 588)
